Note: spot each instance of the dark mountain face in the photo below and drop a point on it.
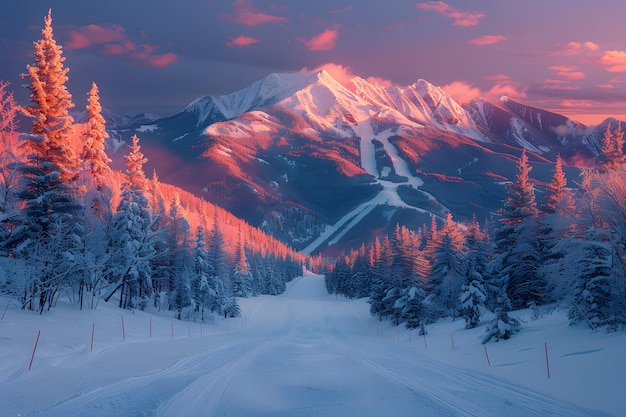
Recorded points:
(324, 166)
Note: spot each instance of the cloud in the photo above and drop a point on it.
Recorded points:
(576, 48)
(460, 17)
(246, 14)
(614, 61)
(344, 75)
(562, 78)
(90, 35)
(242, 41)
(160, 60)
(571, 75)
(577, 103)
(589, 46)
(112, 40)
(502, 85)
(487, 40)
(461, 91)
(324, 41)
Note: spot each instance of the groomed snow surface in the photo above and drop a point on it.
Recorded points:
(303, 353)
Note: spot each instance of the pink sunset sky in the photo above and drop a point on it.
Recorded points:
(147, 56)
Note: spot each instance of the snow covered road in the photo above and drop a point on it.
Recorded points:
(303, 353)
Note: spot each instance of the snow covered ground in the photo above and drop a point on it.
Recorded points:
(302, 353)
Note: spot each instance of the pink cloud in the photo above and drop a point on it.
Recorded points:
(590, 46)
(572, 75)
(90, 35)
(246, 14)
(324, 41)
(112, 40)
(487, 40)
(577, 103)
(564, 74)
(379, 81)
(575, 48)
(614, 61)
(461, 91)
(460, 17)
(242, 41)
(344, 75)
(505, 86)
(160, 60)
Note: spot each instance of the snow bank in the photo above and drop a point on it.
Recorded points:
(299, 354)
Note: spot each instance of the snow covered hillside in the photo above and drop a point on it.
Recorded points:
(299, 354)
(293, 154)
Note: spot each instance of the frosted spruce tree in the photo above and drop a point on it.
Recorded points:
(517, 260)
(242, 279)
(178, 241)
(131, 237)
(8, 175)
(93, 155)
(48, 181)
(96, 194)
(448, 268)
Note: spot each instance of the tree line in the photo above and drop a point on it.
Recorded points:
(71, 226)
(568, 252)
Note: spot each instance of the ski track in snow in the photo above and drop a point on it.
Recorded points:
(389, 194)
(299, 354)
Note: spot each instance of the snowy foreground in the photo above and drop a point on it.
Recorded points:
(303, 353)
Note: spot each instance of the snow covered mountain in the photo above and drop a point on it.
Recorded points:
(324, 165)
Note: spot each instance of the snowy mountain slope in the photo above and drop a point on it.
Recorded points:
(540, 131)
(296, 153)
(302, 353)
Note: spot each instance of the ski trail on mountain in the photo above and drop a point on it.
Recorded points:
(332, 234)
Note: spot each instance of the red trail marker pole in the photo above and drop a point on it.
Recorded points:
(34, 350)
(5, 310)
(547, 360)
(487, 355)
(93, 330)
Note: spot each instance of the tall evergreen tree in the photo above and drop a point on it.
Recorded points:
(517, 260)
(51, 102)
(243, 285)
(48, 177)
(448, 269)
(612, 151)
(8, 175)
(94, 155)
(132, 236)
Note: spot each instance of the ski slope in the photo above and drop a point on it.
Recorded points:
(389, 194)
(303, 353)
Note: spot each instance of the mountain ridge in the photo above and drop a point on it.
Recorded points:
(294, 153)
